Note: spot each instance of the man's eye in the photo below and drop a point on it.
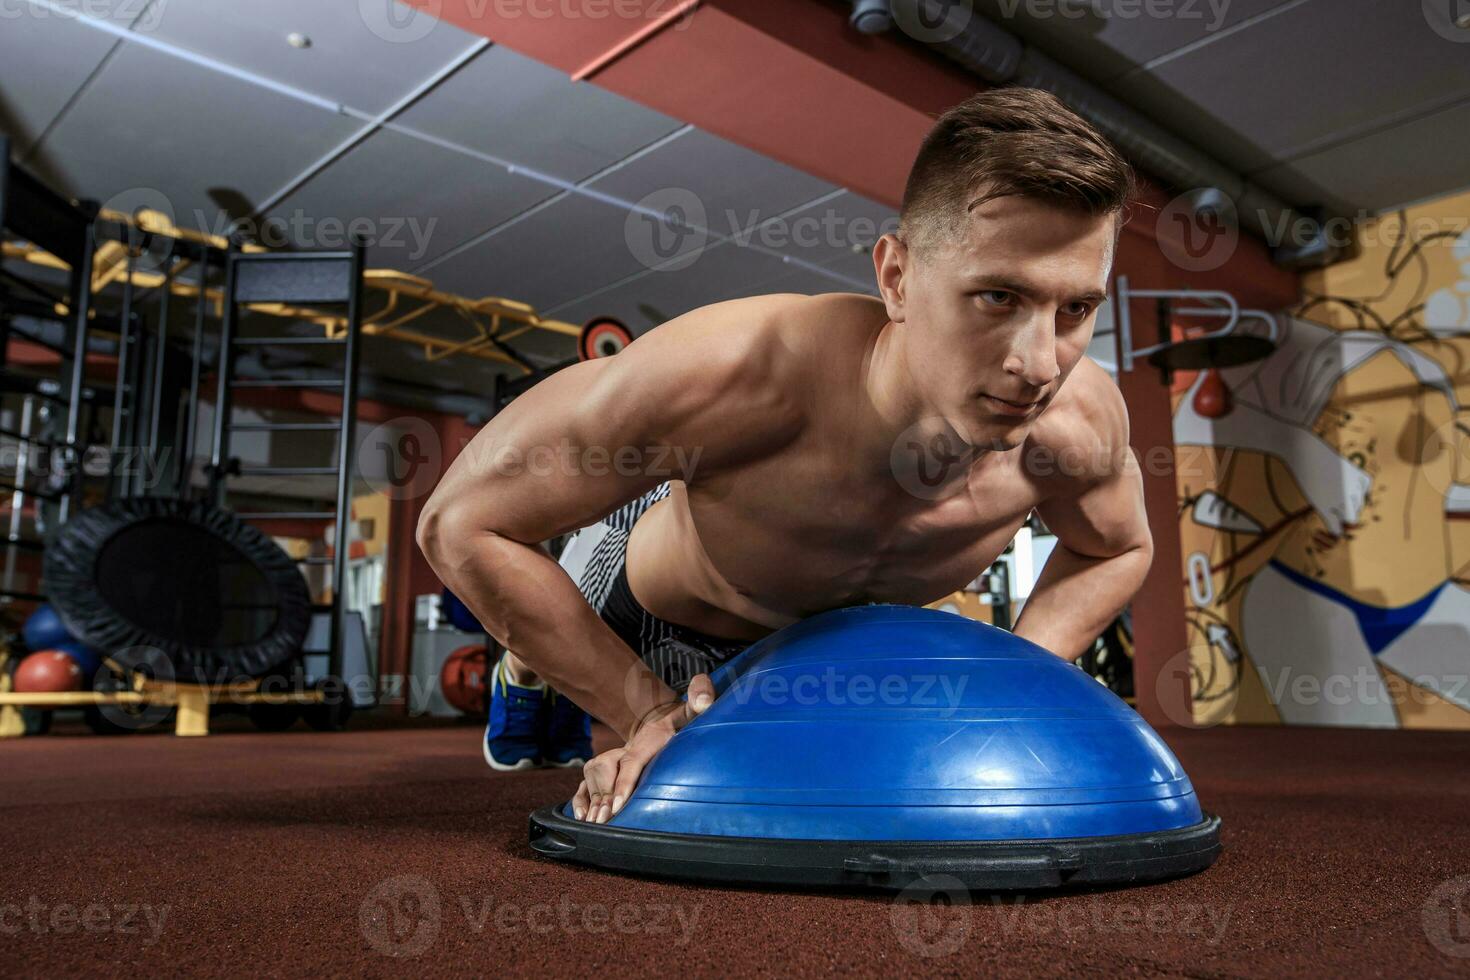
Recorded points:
(1076, 309)
(996, 297)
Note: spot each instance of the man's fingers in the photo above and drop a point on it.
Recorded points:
(701, 695)
(580, 801)
(600, 774)
(629, 769)
(597, 779)
(596, 802)
(610, 779)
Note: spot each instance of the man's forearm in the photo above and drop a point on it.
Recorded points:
(1077, 596)
(529, 604)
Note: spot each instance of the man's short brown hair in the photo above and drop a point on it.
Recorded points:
(1010, 141)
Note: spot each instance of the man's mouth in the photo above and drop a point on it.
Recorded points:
(1005, 406)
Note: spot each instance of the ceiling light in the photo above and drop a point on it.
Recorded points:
(298, 40)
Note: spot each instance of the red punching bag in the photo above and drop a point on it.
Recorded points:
(1212, 398)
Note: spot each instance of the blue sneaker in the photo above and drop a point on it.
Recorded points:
(568, 734)
(515, 714)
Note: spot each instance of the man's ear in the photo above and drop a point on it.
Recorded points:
(891, 262)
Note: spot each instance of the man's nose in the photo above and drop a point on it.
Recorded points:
(1034, 357)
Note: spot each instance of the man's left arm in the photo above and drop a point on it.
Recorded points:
(1104, 547)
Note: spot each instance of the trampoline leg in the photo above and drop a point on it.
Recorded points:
(193, 716)
(12, 725)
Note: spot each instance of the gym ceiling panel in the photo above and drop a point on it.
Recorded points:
(1374, 167)
(721, 272)
(540, 262)
(347, 62)
(731, 182)
(512, 108)
(419, 198)
(1108, 47)
(1297, 91)
(825, 233)
(36, 81)
(1332, 73)
(151, 121)
(553, 252)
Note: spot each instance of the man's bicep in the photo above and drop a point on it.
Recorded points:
(1103, 519)
(701, 392)
(1099, 510)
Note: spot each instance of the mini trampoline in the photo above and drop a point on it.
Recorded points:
(217, 597)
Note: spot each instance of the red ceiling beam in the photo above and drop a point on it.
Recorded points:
(786, 78)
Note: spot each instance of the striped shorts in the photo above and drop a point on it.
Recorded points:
(596, 559)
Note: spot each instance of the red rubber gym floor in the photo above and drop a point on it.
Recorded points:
(390, 851)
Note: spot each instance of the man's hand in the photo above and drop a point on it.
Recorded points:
(610, 778)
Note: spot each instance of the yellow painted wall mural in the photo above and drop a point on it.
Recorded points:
(1325, 513)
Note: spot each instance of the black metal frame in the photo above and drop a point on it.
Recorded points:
(318, 279)
(71, 230)
(66, 229)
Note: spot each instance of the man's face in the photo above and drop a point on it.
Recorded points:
(994, 321)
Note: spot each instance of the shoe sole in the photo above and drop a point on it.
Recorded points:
(528, 763)
(565, 765)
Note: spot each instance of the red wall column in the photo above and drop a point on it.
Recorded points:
(409, 574)
(1159, 633)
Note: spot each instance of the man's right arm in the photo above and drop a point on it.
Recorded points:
(567, 453)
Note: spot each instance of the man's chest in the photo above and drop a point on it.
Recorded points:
(813, 537)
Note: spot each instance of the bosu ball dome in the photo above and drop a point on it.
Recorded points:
(885, 745)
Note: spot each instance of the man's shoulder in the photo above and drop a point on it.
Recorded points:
(766, 340)
(729, 375)
(782, 314)
(724, 341)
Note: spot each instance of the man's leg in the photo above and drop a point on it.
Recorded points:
(517, 672)
(574, 559)
(531, 725)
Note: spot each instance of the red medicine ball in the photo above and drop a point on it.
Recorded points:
(464, 678)
(48, 672)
